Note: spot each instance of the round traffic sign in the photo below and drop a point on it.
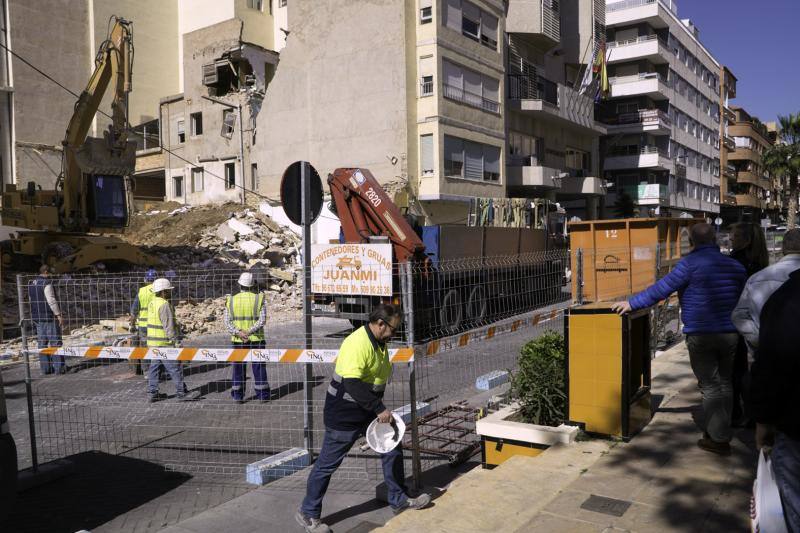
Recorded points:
(292, 192)
(718, 221)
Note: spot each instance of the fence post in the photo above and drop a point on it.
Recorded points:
(407, 288)
(579, 281)
(28, 386)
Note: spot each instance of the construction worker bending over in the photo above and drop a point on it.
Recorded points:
(354, 399)
(162, 332)
(245, 315)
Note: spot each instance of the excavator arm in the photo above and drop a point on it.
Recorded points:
(365, 210)
(94, 171)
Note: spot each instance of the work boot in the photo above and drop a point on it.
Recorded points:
(153, 398)
(710, 445)
(311, 525)
(421, 501)
(186, 396)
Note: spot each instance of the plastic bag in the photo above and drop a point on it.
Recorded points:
(766, 511)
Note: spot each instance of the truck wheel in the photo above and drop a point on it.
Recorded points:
(476, 304)
(451, 311)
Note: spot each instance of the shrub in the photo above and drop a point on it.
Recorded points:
(539, 385)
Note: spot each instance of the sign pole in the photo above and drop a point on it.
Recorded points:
(305, 180)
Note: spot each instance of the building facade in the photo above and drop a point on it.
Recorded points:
(452, 99)
(662, 150)
(750, 185)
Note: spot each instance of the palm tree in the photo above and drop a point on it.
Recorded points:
(783, 160)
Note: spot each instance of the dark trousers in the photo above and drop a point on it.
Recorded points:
(786, 464)
(740, 368)
(48, 334)
(240, 374)
(711, 356)
(335, 446)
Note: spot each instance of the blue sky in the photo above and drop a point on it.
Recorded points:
(759, 42)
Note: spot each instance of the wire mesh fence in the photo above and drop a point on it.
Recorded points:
(464, 318)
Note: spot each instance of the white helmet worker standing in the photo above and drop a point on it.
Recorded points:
(245, 316)
(162, 331)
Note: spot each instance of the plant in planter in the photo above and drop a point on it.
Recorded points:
(539, 386)
(534, 421)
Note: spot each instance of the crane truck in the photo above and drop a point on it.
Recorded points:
(64, 227)
(462, 276)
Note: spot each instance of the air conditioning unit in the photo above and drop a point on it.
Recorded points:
(210, 74)
(250, 80)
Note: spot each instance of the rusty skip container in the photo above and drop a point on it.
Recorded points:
(624, 256)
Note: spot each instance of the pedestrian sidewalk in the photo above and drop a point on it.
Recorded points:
(661, 480)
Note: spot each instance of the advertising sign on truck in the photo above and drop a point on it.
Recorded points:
(352, 269)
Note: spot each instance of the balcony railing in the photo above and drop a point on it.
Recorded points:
(466, 97)
(628, 4)
(636, 40)
(644, 115)
(523, 161)
(635, 150)
(637, 77)
(532, 87)
(426, 88)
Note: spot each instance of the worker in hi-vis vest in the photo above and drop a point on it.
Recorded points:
(139, 316)
(245, 315)
(353, 401)
(163, 332)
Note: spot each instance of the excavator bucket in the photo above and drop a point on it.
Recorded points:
(95, 157)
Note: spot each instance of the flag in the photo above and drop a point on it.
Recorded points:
(588, 74)
(600, 68)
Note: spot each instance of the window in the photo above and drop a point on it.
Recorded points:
(628, 108)
(425, 11)
(525, 150)
(578, 160)
(427, 67)
(230, 175)
(426, 155)
(196, 123)
(281, 3)
(255, 4)
(469, 20)
(181, 131)
(471, 160)
(470, 87)
(177, 186)
(197, 179)
(228, 123)
(254, 176)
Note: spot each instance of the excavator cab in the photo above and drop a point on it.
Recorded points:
(107, 201)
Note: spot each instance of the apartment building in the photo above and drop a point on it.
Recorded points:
(750, 184)
(74, 32)
(663, 143)
(209, 129)
(727, 92)
(450, 99)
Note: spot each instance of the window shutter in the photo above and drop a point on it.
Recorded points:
(425, 3)
(426, 154)
(489, 27)
(473, 164)
(472, 82)
(453, 15)
(492, 160)
(491, 89)
(452, 75)
(471, 11)
(426, 66)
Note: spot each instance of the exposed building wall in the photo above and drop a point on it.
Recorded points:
(338, 97)
(42, 109)
(196, 14)
(156, 61)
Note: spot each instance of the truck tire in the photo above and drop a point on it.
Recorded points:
(451, 311)
(476, 304)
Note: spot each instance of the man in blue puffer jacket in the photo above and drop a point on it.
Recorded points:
(708, 285)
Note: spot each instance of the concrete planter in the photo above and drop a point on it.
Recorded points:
(502, 439)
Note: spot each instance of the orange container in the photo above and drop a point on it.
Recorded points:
(622, 257)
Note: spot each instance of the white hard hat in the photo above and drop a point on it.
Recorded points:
(246, 279)
(384, 438)
(162, 284)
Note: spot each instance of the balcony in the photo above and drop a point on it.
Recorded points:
(653, 12)
(730, 144)
(652, 121)
(582, 186)
(537, 21)
(527, 172)
(730, 171)
(728, 114)
(536, 95)
(749, 200)
(628, 157)
(451, 92)
(648, 194)
(744, 154)
(745, 176)
(645, 83)
(648, 47)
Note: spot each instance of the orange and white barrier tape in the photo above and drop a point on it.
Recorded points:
(219, 355)
(482, 334)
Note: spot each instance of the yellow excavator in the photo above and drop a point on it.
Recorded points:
(92, 195)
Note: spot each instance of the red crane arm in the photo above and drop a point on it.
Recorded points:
(365, 209)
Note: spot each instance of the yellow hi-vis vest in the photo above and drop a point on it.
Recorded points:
(156, 336)
(359, 359)
(145, 296)
(243, 311)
